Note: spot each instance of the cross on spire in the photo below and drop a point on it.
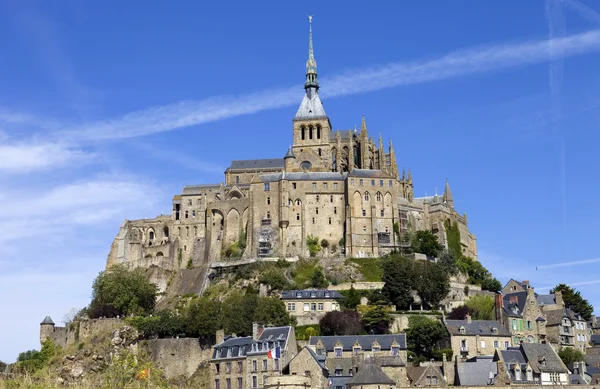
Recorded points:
(311, 63)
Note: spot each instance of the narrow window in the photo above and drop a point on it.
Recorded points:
(313, 220)
(240, 382)
(187, 231)
(364, 212)
(382, 213)
(317, 210)
(390, 183)
(310, 132)
(319, 135)
(335, 185)
(335, 210)
(297, 216)
(380, 182)
(372, 182)
(329, 220)
(317, 198)
(378, 196)
(151, 235)
(360, 182)
(190, 202)
(331, 199)
(267, 186)
(366, 196)
(314, 185)
(193, 213)
(217, 384)
(268, 214)
(319, 151)
(293, 185)
(352, 181)
(268, 201)
(237, 179)
(303, 129)
(325, 186)
(364, 228)
(186, 214)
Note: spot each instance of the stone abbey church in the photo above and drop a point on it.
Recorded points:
(338, 185)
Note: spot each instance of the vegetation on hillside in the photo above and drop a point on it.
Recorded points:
(573, 300)
(424, 336)
(370, 268)
(480, 307)
(570, 355)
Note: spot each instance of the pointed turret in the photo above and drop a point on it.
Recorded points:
(289, 154)
(311, 106)
(381, 152)
(393, 163)
(363, 126)
(447, 197)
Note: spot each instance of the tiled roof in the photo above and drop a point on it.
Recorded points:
(232, 347)
(535, 352)
(369, 374)
(311, 107)
(365, 341)
(595, 339)
(476, 372)
(47, 320)
(301, 176)
(310, 294)
(514, 300)
(272, 163)
(554, 317)
(576, 379)
(476, 327)
(368, 173)
(545, 299)
(270, 338)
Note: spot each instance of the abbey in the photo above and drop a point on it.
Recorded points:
(337, 185)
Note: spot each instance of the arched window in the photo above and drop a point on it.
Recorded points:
(367, 197)
(310, 132)
(166, 232)
(151, 235)
(318, 132)
(303, 130)
(378, 196)
(333, 160)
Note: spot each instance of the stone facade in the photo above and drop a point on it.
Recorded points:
(521, 314)
(77, 330)
(472, 338)
(309, 306)
(338, 185)
(178, 358)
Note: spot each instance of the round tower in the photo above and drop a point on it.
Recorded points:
(46, 329)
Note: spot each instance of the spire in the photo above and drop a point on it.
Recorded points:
(289, 154)
(447, 197)
(311, 63)
(363, 125)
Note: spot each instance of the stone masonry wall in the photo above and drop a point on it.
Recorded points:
(178, 357)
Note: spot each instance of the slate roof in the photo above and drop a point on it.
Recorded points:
(232, 348)
(476, 327)
(415, 373)
(270, 338)
(555, 317)
(319, 359)
(534, 353)
(302, 176)
(344, 134)
(369, 374)
(595, 339)
(545, 299)
(514, 300)
(338, 381)
(47, 320)
(365, 341)
(311, 107)
(576, 379)
(248, 164)
(310, 294)
(476, 372)
(368, 173)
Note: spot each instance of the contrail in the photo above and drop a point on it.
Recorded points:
(453, 65)
(572, 284)
(569, 263)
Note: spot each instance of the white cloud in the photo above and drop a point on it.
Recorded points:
(457, 64)
(28, 156)
(569, 263)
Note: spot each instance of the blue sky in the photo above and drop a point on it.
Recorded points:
(107, 109)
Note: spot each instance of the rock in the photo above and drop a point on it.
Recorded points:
(94, 357)
(69, 357)
(77, 370)
(87, 353)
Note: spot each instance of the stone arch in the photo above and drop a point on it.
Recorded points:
(151, 234)
(232, 225)
(298, 202)
(357, 203)
(234, 194)
(160, 255)
(148, 256)
(166, 231)
(367, 197)
(387, 200)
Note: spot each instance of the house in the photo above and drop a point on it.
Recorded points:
(370, 376)
(429, 375)
(246, 362)
(566, 328)
(305, 369)
(471, 338)
(309, 306)
(520, 313)
(532, 364)
(355, 345)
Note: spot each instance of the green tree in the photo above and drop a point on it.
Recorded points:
(453, 237)
(424, 335)
(574, 300)
(121, 291)
(481, 307)
(312, 242)
(275, 279)
(425, 242)
(33, 360)
(271, 311)
(491, 284)
(163, 325)
(2, 367)
(570, 355)
(377, 320)
(448, 262)
(397, 274)
(341, 323)
(318, 279)
(431, 282)
(351, 299)
(237, 313)
(203, 317)
(459, 313)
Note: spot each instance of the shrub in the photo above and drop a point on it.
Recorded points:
(324, 243)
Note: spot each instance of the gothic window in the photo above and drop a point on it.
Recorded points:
(151, 235)
(166, 232)
(356, 156)
(333, 160)
(378, 196)
(319, 134)
(319, 151)
(310, 132)
(303, 130)
(366, 196)
(298, 203)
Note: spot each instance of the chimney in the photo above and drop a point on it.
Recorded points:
(558, 298)
(582, 368)
(257, 330)
(468, 318)
(220, 338)
(530, 291)
(525, 283)
(576, 368)
(499, 304)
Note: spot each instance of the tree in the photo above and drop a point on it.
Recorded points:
(318, 279)
(351, 299)
(570, 355)
(431, 282)
(481, 307)
(341, 323)
(397, 275)
(377, 320)
(162, 325)
(33, 360)
(71, 315)
(448, 262)
(237, 313)
(121, 291)
(425, 242)
(574, 301)
(459, 313)
(424, 335)
(491, 284)
(271, 311)
(275, 279)
(203, 317)
(2, 367)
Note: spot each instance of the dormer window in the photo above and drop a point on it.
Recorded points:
(529, 374)
(338, 352)
(327, 294)
(356, 350)
(376, 349)
(462, 330)
(395, 351)
(313, 294)
(299, 295)
(517, 373)
(494, 330)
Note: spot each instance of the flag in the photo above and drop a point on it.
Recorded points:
(274, 353)
(330, 382)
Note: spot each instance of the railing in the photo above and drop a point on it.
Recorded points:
(464, 349)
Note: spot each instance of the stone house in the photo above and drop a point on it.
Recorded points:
(246, 362)
(472, 338)
(566, 328)
(309, 306)
(370, 376)
(520, 313)
(531, 364)
(350, 346)
(429, 375)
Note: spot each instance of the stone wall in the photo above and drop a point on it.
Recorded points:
(357, 286)
(178, 357)
(400, 323)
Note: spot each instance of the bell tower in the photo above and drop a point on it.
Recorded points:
(311, 124)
